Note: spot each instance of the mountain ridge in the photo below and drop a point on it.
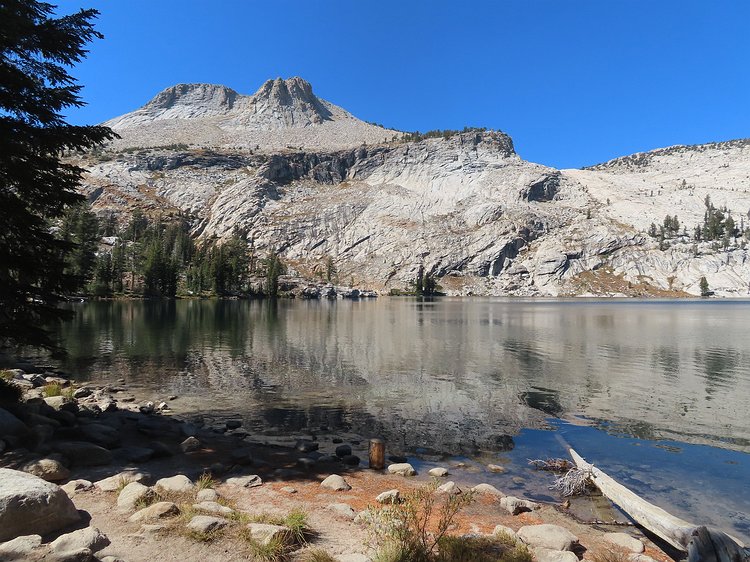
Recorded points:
(462, 206)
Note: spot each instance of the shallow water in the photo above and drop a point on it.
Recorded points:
(653, 392)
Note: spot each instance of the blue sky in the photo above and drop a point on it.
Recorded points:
(574, 82)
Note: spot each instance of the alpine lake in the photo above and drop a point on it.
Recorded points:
(655, 393)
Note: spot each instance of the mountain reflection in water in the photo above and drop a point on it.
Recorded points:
(449, 376)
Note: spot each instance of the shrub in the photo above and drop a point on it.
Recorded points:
(404, 530)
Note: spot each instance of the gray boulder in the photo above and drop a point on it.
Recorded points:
(207, 495)
(265, 533)
(101, 434)
(390, 497)
(178, 483)
(514, 505)
(89, 538)
(114, 483)
(30, 505)
(50, 470)
(626, 541)
(20, 548)
(549, 555)
(548, 536)
(249, 481)
(487, 489)
(11, 425)
(438, 472)
(132, 494)
(342, 510)
(336, 483)
(214, 508)
(159, 510)
(81, 453)
(206, 524)
(402, 468)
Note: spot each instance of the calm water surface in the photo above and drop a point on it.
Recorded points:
(656, 393)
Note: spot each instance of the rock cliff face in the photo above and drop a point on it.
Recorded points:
(465, 208)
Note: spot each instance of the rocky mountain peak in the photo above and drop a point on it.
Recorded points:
(290, 102)
(286, 92)
(206, 96)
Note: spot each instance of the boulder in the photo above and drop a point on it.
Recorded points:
(503, 530)
(487, 489)
(207, 495)
(514, 505)
(438, 472)
(389, 497)
(343, 450)
(89, 538)
(190, 444)
(11, 425)
(402, 468)
(626, 541)
(212, 507)
(101, 434)
(496, 468)
(134, 454)
(243, 456)
(342, 510)
(50, 470)
(159, 510)
(449, 488)
(114, 483)
(206, 524)
(20, 548)
(30, 505)
(75, 486)
(336, 483)
(132, 494)
(548, 555)
(62, 403)
(307, 446)
(350, 460)
(548, 536)
(81, 453)
(249, 481)
(178, 483)
(265, 533)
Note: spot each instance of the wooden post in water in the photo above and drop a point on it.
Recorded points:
(377, 454)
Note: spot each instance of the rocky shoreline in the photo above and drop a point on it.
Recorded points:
(98, 473)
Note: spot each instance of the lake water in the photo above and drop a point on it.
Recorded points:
(654, 392)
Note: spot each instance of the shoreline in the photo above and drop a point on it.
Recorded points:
(127, 425)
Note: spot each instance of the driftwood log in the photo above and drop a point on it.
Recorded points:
(701, 544)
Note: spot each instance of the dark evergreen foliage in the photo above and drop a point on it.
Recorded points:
(36, 187)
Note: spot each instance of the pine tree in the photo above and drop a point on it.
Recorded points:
(36, 187)
(703, 284)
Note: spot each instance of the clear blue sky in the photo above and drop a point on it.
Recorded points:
(574, 82)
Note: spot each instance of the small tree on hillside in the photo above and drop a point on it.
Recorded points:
(703, 284)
